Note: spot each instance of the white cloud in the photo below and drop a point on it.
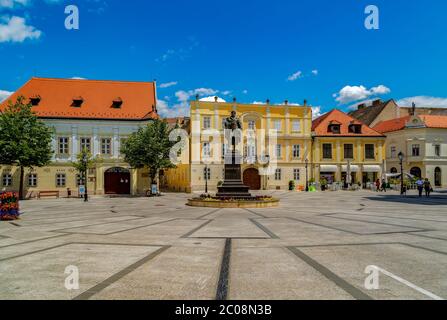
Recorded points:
(423, 101)
(4, 95)
(295, 76)
(316, 112)
(78, 78)
(12, 3)
(355, 106)
(356, 93)
(245, 92)
(315, 72)
(176, 110)
(226, 93)
(168, 84)
(15, 29)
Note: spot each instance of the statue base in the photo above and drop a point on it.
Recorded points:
(233, 186)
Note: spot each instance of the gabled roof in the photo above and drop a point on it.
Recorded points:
(320, 125)
(429, 121)
(368, 114)
(57, 96)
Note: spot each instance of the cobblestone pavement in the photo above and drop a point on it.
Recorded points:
(315, 246)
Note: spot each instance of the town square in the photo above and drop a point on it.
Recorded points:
(217, 152)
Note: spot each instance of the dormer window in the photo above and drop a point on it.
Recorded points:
(117, 103)
(334, 128)
(77, 102)
(35, 100)
(355, 128)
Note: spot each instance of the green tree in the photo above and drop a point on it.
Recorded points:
(25, 141)
(84, 161)
(149, 148)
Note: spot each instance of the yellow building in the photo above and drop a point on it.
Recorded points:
(86, 114)
(276, 142)
(339, 142)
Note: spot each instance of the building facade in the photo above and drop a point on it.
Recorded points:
(423, 141)
(276, 141)
(341, 144)
(86, 114)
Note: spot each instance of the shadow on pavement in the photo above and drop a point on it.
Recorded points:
(435, 199)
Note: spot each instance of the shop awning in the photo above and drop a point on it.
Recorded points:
(328, 168)
(371, 168)
(354, 168)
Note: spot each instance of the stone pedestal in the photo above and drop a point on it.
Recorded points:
(233, 186)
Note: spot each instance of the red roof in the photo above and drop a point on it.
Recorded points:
(57, 97)
(321, 125)
(430, 121)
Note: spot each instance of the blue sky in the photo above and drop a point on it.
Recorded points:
(255, 50)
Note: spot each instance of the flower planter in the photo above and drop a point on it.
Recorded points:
(9, 206)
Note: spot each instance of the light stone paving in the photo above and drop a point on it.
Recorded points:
(314, 246)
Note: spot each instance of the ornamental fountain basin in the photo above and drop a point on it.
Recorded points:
(222, 202)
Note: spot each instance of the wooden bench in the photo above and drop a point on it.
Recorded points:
(49, 194)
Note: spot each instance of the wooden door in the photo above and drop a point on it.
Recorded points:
(252, 179)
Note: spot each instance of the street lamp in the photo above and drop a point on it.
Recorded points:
(401, 160)
(85, 162)
(307, 175)
(206, 179)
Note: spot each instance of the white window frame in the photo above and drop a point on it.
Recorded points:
(416, 147)
(296, 126)
(85, 143)
(278, 174)
(32, 180)
(206, 150)
(278, 151)
(7, 180)
(297, 174)
(64, 145)
(296, 151)
(61, 180)
(206, 122)
(106, 146)
(277, 125)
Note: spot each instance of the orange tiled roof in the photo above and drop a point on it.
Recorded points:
(430, 121)
(320, 125)
(57, 95)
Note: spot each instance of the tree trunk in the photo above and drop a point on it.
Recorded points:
(22, 175)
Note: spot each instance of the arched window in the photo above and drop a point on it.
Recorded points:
(417, 172)
(393, 170)
(438, 177)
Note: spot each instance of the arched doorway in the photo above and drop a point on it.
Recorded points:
(252, 179)
(117, 181)
(417, 172)
(438, 177)
(394, 170)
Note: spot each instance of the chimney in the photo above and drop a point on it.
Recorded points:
(286, 102)
(361, 106)
(234, 99)
(268, 101)
(305, 103)
(377, 102)
(216, 98)
(197, 97)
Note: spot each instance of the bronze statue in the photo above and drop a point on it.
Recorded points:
(233, 122)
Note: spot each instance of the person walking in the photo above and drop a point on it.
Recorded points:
(377, 185)
(420, 184)
(427, 187)
(384, 185)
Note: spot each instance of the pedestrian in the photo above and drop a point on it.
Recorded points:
(420, 185)
(384, 185)
(378, 185)
(427, 187)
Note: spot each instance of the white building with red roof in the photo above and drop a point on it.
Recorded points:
(92, 114)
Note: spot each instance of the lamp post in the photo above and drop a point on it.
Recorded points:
(85, 162)
(307, 175)
(206, 179)
(401, 160)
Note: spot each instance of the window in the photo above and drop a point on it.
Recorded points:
(207, 122)
(349, 151)
(416, 150)
(63, 146)
(106, 146)
(207, 173)
(278, 151)
(334, 128)
(355, 128)
(296, 174)
(252, 125)
(370, 151)
(86, 144)
(79, 180)
(327, 151)
(393, 152)
(296, 126)
(296, 151)
(206, 149)
(224, 149)
(438, 150)
(278, 175)
(32, 180)
(122, 144)
(61, 180)
(7, 180)
(277, 125)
